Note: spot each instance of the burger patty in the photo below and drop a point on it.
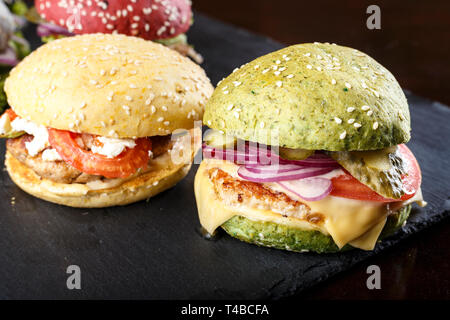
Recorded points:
(62, 172)
(236, 192)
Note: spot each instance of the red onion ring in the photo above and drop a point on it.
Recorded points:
(48, 29)
(240, 157)
(309, 189)
(301, 173)
(257, 168)
(9, 57)
(262, 155)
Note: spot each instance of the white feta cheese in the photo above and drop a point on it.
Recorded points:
(40, 133)
(112, 147)
(5, 124)
(51, 155)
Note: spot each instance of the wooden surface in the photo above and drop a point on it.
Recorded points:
(414, 43)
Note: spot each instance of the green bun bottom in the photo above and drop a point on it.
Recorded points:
(278, 236)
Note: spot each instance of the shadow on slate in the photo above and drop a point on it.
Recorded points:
(152, 250)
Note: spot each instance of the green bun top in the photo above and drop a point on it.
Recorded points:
(312, 96)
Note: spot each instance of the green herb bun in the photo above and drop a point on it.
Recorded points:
(315, 96)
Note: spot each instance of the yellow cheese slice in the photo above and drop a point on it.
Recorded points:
(356, 222)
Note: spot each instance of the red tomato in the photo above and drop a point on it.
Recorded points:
(122, 166)
(11, 114)
(346, 186)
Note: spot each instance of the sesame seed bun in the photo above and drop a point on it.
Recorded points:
(163, 175)
(148, 19)
(109, 85)
(316, 96)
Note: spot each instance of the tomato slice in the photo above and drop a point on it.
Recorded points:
(122, 166)
(11, 114)
(346, 186)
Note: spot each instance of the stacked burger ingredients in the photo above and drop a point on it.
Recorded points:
(306, 152)
(94, 126)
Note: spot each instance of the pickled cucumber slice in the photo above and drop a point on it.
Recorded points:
(380, 170)
(6, 130)
(295, 154)
(218, 139)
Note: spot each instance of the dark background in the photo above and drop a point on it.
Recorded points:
(414, 44)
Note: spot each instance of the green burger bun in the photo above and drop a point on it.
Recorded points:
(269, 234)
(316, 97)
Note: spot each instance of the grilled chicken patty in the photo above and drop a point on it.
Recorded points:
(236, 192)
(62, 172)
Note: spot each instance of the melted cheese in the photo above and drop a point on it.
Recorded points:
(356, 222)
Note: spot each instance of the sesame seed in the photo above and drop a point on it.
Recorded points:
(337, 120)
(350, 109)
(277, 73)
(333, 81)
(348, 85)
(350, 121)
(256, 67)
(309, 66)
(307, 54)
(319, 68)
(230, 107)
(164, 108)
(94, 82)
(279, 84)
(342, 135)
(262, 124)
(278, 62)
(365, 108)
(237, 83)
(265, 71)
(166, 123)
(236, 114)
(369, 113)
(225, 92)
(153, 109)
(375, 125)
(290, 76)
(357, 125)
(160, 119)
(132, 86)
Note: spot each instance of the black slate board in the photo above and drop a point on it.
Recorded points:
(152, 250)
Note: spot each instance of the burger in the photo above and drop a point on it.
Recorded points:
(306, 152)
(164, 21)
(105, 120)
(13, 46)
